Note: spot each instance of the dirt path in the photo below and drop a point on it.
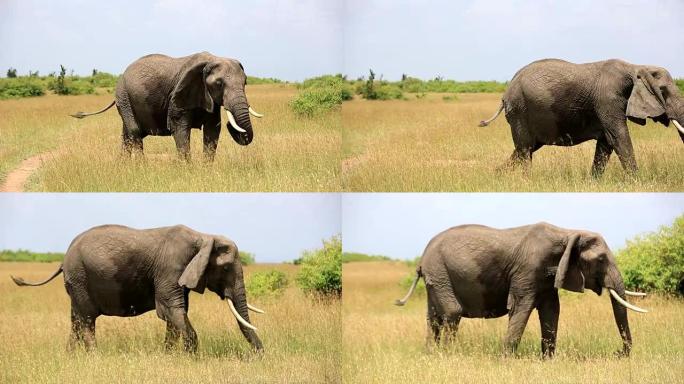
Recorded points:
(17, 177)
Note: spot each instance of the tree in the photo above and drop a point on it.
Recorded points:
(60, 87)
(12, 73)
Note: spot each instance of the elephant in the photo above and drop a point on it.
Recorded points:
(555, 102)
(475, 271)
(160, 95)
(115, 270)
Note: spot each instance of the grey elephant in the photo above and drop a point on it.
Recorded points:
(164, 96)
(475, 271)
(120, 271)
(554, 102)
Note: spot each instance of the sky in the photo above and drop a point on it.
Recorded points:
(290, 40)
(275, 227)
(400, 225)
(293, 40)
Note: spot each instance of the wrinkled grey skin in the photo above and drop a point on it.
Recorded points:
(554, 102)
(164, 96)
(119, 271)
(475, 271)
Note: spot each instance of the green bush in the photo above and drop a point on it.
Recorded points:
(320, 273)
(17, 87)
(262, 80)
(349, 257)
(102, 79)
(680, 85)
(439, 85)
(246, 258)
(72, 85)
(655, 261)
(378, 90)
(321, 94)
(267, 284)
(314, 101)
(337, 82)
(24, 255)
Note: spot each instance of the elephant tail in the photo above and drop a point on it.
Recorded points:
(80, 115)
(20, 282)
(485, 123)
(403, 301)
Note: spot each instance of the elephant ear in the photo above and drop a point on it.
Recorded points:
(191, 90)
(193, 274)
(569, 275)
(646, 100)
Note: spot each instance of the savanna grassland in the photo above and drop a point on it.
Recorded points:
(301, 337)
(289, 153)
(386, 344)
(431, 143)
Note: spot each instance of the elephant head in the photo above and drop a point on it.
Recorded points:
(655, 95)
(217, 266)
(587, 262)
(210, 82)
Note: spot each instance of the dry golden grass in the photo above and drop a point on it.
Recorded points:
(386, 344)
(287, 154)
(301, 339)
(432, 145)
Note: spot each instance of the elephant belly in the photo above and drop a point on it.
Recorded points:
(485, 306)
(121, 299)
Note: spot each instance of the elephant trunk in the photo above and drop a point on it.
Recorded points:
(677, 115)
(238, 109)
(239, 299)
(613, 281)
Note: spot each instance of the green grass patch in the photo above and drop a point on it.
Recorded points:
(28, 256)
(350, 257)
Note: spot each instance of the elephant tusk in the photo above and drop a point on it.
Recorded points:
(232, 122)
(237, 315)
(638, 294)
(679, 127)
(254, 113)
(255, 309)
(625, 303)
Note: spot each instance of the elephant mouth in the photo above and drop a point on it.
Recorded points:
(241, 138)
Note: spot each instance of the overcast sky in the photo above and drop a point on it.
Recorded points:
(400, 225)
(274, 226)
(293, 40)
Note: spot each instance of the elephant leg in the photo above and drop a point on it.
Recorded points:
(601, 156)
(517, 321)
(89, 333)
(182, 139)
(172, 335)
(82, 331)
(131, 136)
(447, 305)
(132, 145)
(524, 144)
(434, 320)
(451, 327)
(179, 319)
(622, 144)
(76, 335)
(548, 309)
(212, 131)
